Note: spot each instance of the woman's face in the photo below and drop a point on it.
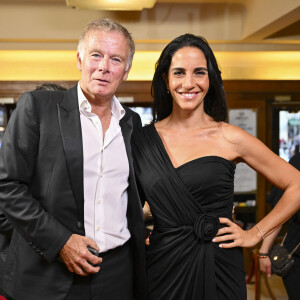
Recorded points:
(188, 80)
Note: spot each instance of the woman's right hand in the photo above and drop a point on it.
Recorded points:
(148, 218)
(147, 236)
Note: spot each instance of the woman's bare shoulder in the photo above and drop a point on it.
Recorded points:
(232, 133)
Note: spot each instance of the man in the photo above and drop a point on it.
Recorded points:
(5, 236)
(67, 182)
(291, 241)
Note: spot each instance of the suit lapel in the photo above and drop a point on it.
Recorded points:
(70, 128)
(127, 127)
(134, 211)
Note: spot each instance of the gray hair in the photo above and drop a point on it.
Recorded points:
(107, 25)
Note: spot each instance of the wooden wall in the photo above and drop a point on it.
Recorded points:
(237, 90)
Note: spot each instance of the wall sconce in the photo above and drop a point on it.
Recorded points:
(111, 4)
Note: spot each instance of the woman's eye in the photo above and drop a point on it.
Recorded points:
(178, 73)
(201, 73)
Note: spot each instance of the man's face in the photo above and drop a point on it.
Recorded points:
(102, 63)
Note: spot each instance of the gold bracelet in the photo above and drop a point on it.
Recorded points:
(259, 231)
(263, 255)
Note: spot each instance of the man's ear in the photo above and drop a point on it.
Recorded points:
(125, 76)
(78, 62)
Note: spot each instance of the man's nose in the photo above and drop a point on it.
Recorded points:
(103, 65)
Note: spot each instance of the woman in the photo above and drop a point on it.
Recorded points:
(185, 163)
(291, 242)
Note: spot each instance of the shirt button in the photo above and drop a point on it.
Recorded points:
(99, 201)
(98, 228)
(79, 225)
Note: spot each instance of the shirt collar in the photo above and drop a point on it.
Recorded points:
(117, 109)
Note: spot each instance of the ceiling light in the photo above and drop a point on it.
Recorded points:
(111, 4)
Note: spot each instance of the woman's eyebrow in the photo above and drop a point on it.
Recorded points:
(201, 69)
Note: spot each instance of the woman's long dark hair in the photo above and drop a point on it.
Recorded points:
(215, 104)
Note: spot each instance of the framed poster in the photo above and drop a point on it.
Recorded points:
(245, 177)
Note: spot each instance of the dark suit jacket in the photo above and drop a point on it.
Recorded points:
(41, 193)
(6, 230)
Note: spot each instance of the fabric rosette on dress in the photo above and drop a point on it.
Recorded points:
(206, 227)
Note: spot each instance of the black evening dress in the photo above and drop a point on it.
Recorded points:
(186, 202)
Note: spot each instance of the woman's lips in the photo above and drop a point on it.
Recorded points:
(189, 95)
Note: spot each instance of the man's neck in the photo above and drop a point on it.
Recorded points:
(104, 114)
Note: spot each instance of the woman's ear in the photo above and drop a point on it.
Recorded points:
(165, 78)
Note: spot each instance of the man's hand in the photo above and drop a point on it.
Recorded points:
(76, 255)
(265, 262)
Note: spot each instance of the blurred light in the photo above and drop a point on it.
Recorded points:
(111, 4)
(61, 65)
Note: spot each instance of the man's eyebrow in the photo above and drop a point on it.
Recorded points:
(112, 55)
(94, 50)
(118, 55)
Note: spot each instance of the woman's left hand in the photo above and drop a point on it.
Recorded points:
(235, 236)
(265, 265)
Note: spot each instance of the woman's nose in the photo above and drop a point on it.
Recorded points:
(188, 82)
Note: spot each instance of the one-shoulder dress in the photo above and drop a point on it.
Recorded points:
(186, 203)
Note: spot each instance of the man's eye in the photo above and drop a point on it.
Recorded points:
(115, 59)
(96, 55)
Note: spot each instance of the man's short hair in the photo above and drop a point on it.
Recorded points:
(107, 25)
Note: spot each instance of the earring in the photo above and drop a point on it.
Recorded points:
(168, 92)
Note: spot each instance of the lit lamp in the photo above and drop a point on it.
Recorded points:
(111, 4)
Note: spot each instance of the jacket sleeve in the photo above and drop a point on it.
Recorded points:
(18, 158)
(137, 122)
(6, 227)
